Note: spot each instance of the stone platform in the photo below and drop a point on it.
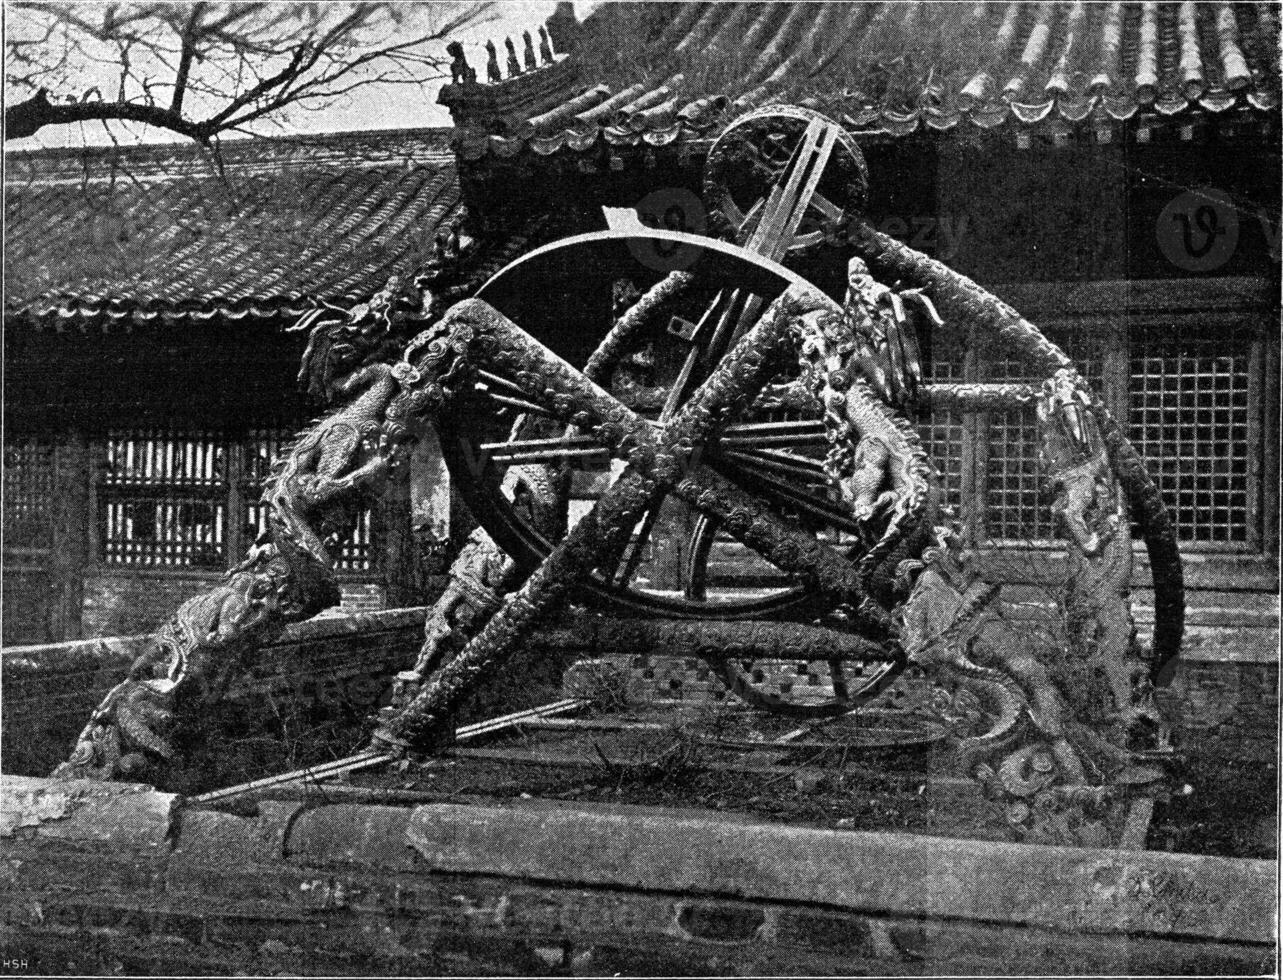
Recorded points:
(120, 878)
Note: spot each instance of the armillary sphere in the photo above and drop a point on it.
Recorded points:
(753, 528)
(681, 561)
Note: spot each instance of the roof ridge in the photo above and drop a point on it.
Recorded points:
(188, 148)
(255, 138)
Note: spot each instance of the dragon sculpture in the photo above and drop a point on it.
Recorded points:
(314, 495)
(1047, 717)
(875, 458)
(1090, 507)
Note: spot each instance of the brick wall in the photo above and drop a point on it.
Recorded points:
(1224, 700)
(27, 610)
(327, 668)
(1228, 702)
(121, 603)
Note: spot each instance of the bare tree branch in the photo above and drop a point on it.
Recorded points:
(188, 52)
(282, 77)
(28, 118)
(224, 66)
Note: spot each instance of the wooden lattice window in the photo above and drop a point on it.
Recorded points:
(1190, 392)
(182, 499)
(1191, 414)
(163, 499)
(29, 479)
(942, 436)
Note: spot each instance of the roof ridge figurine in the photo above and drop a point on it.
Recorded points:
(514, 67)
(460, 70)
(492, 63)
(528, 54)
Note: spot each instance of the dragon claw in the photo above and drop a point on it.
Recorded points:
(130, 722)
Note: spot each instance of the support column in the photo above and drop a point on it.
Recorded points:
(413, 525)
(72, 528)
(430, 517)
(394, 541)
(238, 536)
(975, 455)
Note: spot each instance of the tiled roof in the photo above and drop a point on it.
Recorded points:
(151, 234)
(899, 67)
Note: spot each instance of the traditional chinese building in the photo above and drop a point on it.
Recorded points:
(1111, 170)
(149, 372)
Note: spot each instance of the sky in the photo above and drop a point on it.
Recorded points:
(372, 107)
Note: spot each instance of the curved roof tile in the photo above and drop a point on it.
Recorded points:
(169, 241)
(898, 66)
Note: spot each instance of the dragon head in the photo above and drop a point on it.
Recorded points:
(1066, 418)
(1073, 453)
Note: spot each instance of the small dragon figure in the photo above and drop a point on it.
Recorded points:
(528, 52)
(875, 458)
(492, 64)
(1078, 474)
(514, 66)
(460, 71)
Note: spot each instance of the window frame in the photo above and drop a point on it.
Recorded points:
(238, 496)
(1121, 309)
